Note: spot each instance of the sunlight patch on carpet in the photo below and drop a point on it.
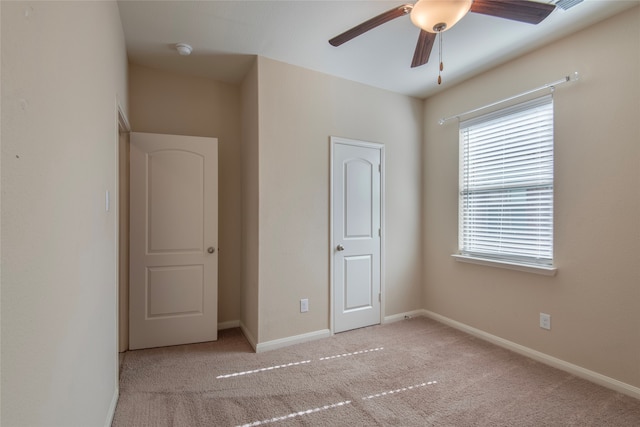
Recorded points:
(296, 414)
(399, 390)
(351, 354)
(288, 365)
(270, 368)
(335, 405)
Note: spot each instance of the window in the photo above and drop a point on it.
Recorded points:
(506, 185)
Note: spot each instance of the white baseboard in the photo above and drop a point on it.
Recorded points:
(296, 339)
(248, 335)
(576, 370)
(112, 408)
(403, 316)
(228, 325)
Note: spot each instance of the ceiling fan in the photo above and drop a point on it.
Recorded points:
(436, 16)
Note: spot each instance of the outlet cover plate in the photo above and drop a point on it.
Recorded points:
(304, 305)
(545, 321)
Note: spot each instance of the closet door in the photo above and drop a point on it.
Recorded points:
(357, 233)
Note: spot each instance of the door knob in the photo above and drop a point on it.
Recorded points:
(211, 249)
(340, 248)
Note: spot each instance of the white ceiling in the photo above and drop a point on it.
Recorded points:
(225, 36)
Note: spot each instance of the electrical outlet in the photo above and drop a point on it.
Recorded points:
(545, 321)
(304, 305)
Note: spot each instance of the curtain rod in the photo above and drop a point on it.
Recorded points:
(571, 78)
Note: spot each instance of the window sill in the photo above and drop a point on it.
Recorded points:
(536, 269)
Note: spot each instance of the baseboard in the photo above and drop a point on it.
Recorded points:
(228, 324)
(248, 335)
(112, 408)
(403, 316)
(296, 339)
(576, 370)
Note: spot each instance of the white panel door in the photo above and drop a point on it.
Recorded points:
(356, 223)
(173, 287)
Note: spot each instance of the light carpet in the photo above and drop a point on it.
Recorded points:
(416, 372)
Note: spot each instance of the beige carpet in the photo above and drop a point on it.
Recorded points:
(415, 372)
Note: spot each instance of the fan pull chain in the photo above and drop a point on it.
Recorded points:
(440, 57)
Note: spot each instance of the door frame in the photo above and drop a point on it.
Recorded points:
(333, 141)
(124, 129)
(122, 126)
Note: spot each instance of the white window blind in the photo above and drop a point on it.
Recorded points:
(506, 184)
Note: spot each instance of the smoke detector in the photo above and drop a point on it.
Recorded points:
(184, 49)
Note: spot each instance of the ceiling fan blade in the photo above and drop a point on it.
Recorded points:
(531, 12)
(423, 48)
(371, 24)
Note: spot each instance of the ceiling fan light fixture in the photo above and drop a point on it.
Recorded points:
(436, 16)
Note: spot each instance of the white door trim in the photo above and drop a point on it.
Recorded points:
(121, 125)
(334, 140)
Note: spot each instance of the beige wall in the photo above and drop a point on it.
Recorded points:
(594, 298)
(169, 103)
(298, 111)
(250, 196)
(63, 66)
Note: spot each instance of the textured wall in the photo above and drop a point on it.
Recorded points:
(593, 299)
(250, 216)
(170, 103)
(299, 109)
(63, 67)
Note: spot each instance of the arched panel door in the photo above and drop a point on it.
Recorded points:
(357, 206)
(173, 240)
